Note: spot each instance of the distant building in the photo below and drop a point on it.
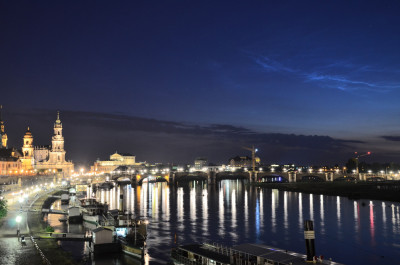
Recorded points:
(3, 134)
(41, 153)
(27, 158)
(242, 161)
(10, 163)
(115, 161)
(30, 158)
(199, 163)
(53, 159)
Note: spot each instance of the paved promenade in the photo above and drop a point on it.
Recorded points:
(12, 251)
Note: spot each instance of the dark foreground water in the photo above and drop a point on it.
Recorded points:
(348, 231)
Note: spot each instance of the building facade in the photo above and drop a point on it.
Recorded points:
(53, 159)
(3, 134)
(10, 163)
(116, 160)
(199, 163)
(27, 158)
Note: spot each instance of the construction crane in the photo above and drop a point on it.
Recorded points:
(253, 151)
(357, 157)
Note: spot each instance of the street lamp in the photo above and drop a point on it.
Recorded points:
(18, 219)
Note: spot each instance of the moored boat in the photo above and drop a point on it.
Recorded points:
(240, 254)
(248, 253)
(74, 214)
(132, 235)
(64, 198)
(93, 211)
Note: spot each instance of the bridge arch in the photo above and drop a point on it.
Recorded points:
(150, 179)
(272, 178)
(231, 175)
(191, 177)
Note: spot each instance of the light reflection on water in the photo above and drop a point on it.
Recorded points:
(351, 232)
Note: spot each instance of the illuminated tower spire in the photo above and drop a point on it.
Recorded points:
(3, 134)
(27, 150)
(58, 124)
(57, 154)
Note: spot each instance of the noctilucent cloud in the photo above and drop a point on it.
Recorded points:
(147, 77)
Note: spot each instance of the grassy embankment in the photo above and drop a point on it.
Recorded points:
(50, 248)
(360, 190)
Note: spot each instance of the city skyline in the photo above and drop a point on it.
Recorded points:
(141, 137)
(305, 82)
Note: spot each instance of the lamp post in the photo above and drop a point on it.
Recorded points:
(18, 220)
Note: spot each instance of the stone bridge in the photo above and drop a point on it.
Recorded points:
(214, 176)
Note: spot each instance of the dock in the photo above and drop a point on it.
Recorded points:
(63, 236)
(54, 211)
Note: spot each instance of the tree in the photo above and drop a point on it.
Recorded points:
(3, 208)
(49, 229)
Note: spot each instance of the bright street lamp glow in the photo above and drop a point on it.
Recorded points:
(18, 219)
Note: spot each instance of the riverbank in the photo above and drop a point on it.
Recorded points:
(362, 190)
(50, 248)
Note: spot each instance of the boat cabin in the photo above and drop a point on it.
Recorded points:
(199, 254)
(102, 235)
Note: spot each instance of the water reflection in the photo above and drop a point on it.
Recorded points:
(372, 223)
(180, 209)
(301, 211)
(205, 212)
(339, 221)
(322, 214)
(273, 210)
(246, 212)
(232, 212)
(285, 210)
(221, 211)
(311, 207)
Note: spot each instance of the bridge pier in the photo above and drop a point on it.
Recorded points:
(211, 177)
(329, 176)
(252, 177)
(292, 176)
(169, 178)
(172, 177)
(121, 199)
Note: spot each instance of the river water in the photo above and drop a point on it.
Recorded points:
(231, 212)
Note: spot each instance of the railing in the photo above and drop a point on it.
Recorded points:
(175, 255)
(45, 260)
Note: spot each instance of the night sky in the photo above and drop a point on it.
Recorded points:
(308, 82)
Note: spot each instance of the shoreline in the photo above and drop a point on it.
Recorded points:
(353, 191)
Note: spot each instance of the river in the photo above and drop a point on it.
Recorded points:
(231, 212)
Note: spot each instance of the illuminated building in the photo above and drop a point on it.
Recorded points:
(9, 157)
(3, 134)
(199, 163)
(53, 159)
(115, 161)
(27, 158)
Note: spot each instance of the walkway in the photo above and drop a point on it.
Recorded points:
(11, 250)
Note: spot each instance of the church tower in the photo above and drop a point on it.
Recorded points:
(3, 134)
(57, 153)
(27, 151)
